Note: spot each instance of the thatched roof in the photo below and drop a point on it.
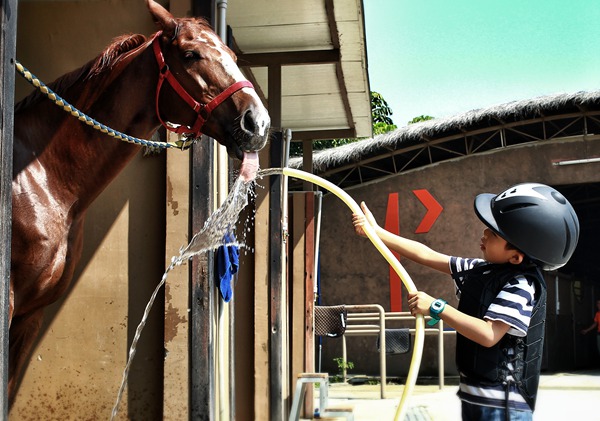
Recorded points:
(512, 114)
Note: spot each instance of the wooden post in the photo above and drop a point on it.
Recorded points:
(309, 297)
(297, 271)
(8, 43)
(276, 288)
(203, 396)
(202, 360)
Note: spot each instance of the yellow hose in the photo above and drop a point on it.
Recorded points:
(415, 362)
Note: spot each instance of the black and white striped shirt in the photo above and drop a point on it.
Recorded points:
(513, 305)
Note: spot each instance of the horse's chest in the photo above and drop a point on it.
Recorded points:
(41, 233)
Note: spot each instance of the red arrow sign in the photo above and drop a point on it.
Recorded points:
(434, 209)
(392, 224)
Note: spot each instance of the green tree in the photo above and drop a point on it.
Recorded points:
(381, 114)
(420, 118)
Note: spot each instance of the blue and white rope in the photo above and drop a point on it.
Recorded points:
(182, 144)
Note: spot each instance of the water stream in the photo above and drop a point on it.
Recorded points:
(210, 237)
(224, 219)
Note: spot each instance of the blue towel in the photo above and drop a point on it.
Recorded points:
(228, 262)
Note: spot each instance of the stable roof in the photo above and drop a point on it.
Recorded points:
(319, 48)
(477, 131)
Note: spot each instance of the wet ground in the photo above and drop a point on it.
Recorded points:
(562, 396)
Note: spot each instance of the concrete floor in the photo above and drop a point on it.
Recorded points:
(562, 396)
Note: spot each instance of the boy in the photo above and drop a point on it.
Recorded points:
(502, 297)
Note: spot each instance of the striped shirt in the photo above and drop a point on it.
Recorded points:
(513, 305)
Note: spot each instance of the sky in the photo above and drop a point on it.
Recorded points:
(445, 57)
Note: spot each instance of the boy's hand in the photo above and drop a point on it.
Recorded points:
(419, 303)
(359, 220)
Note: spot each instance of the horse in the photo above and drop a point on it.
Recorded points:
(183, 77)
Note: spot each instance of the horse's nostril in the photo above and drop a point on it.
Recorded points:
(248, 122)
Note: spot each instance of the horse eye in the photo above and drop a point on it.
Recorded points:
(191, 55)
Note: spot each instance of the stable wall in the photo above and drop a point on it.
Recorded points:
(353, 272)
(76, 368)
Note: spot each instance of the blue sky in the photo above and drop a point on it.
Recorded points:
(445, 57)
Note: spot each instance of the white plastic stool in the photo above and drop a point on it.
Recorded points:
(303, 380)
(323, 379)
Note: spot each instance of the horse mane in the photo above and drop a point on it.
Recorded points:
(111, 54)
(94, 68)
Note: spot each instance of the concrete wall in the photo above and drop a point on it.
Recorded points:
(352, 271)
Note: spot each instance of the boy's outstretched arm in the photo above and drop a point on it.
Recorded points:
(484, 332)
(413, 250)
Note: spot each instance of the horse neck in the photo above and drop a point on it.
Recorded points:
(84, 160)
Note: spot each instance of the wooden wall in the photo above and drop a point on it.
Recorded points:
(75, 369)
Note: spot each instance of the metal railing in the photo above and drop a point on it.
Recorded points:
(370, 320)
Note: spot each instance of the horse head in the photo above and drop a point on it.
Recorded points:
(206, 91)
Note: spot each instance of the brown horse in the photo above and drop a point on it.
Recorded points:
(61, 165)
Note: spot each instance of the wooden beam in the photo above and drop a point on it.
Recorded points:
(309, 296)
(203, 396)
(323, 134)
(8, 43)
(276, 288)
(289, 58)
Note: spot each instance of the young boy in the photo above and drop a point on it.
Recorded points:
(502, 297)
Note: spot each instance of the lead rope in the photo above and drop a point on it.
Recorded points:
(182, 143)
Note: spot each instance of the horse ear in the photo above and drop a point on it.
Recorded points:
(161, 16)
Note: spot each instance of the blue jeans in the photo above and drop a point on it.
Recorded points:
(472, 412)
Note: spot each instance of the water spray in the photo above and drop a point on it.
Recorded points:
(211, 237)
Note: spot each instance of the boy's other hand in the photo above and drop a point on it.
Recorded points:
(419, 303)
(359, 221)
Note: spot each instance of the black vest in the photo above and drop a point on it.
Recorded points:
(490, 365)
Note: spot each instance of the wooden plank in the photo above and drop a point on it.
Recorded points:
(289, 58)
(176, 377)
(311, 107)
(268, 391)
(310, 135)
(322, 76)
(261, 328)
(277, 339)
(177, 299)
(297, 289)
(202, 359)
(277, 354)
(283, 37)
(309, 288)
(281, 12)
(8, 42)
(203, 396)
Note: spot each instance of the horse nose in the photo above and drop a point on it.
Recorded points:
(256, 123)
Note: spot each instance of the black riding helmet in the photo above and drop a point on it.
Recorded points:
(536, 219)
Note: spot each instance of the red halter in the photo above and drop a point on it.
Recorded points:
(203, 110)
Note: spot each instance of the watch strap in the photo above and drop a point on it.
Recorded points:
(435, 309)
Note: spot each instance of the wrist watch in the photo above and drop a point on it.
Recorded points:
(435, 310)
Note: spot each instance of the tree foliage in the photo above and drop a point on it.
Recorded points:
(380, 110)
(420, 119)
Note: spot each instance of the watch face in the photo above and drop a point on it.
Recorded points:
(438, 305)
